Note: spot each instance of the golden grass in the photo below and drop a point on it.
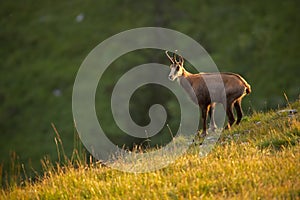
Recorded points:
(253, 161)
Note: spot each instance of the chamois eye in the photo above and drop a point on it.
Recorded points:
(177, 68)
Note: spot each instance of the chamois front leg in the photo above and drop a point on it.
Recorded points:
(212, 125)
(204, 110)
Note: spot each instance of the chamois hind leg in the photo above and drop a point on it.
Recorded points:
(239, 111)
(229, 113)
(211, 113)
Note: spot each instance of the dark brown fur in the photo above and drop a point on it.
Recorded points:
(235, 89)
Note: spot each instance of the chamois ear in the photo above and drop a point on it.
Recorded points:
(172, 61)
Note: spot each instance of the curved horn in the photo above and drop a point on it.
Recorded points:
(169, 57)
(174, 57)
(181, 59)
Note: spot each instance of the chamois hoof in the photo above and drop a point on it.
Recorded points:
(212, 129)
(197, 142)
(227, 127)
(203, 134)
(198, 139)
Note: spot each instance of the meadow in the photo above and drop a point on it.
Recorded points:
(44, 44)
(42, 47)
(260, 159)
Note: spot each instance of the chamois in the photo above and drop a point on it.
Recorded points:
(234, 85)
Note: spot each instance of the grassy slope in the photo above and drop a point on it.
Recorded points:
(260, 158)
(42, 47)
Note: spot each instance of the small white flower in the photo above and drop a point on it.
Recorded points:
(80, 17)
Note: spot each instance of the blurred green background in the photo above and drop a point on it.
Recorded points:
(43, 44)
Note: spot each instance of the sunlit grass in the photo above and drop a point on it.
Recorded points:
(259, 159)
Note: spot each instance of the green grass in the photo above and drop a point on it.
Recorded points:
(258, 159)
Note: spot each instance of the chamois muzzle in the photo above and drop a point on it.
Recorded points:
(171, 77)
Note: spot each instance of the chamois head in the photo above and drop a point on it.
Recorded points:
(176, 66)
